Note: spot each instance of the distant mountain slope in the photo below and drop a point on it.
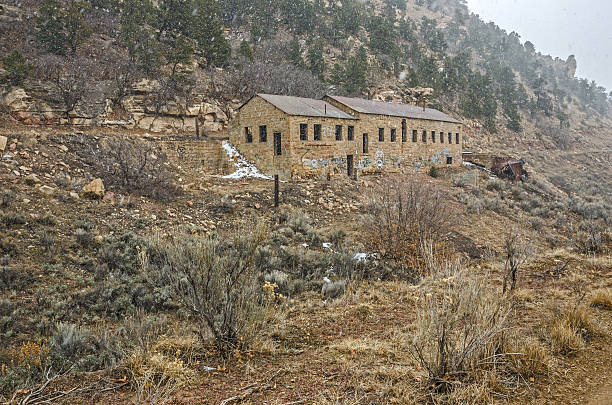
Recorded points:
(378, 48)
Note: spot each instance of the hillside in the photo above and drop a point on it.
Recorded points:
(101, 72)
(130, 276)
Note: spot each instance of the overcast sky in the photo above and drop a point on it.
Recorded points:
(559, 28)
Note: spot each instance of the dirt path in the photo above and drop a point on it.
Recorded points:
(588, 379)
(604, 396)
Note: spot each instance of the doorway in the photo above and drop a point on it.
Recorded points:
(277, 144)
(349, 165)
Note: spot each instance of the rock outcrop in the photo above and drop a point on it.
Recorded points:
(137, 110)
(94, 190)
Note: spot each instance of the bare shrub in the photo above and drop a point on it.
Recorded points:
(590, 238)
(516, 253)
(84, 237)
(333, 289)
(70, 76)
(459, 325)
(9, 278)
(214, 280)
(6, 198)
(469, 178)
(132, 165)
(70, 341)
(403, 216)
(475, 205)
(264, 77)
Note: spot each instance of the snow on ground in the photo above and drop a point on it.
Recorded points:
(363, 257)
(244, 168)
(470, 164)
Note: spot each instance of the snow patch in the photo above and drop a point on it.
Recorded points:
(244, 168)
(363, 257)
(470, 164)
(326, 245)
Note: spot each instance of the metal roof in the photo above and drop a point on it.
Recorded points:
(395, 110)
(306, 107)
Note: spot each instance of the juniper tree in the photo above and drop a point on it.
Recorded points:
(16, 67)
(62, 30)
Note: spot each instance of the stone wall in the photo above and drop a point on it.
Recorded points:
(205, 154)
(255, 113)
(328, 155)
(406, 154)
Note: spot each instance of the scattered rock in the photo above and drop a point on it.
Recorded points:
(63, 148)
(32, 179)
(74, 195)
(3, 142)
(12, 147)
(26, 201)
(46, 190)
(95, 189)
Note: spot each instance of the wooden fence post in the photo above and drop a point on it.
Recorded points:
(276, 191)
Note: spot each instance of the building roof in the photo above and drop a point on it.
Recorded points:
(306, 107)
(395, 110)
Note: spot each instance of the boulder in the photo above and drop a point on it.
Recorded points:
(3, 142)
(95, 189)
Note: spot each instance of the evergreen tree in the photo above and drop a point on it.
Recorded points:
(17, 68)
(245, 51)
(316, 63)
(207, 30)
(295, 54)
(62, 30)
(355, 76)
(137, 18)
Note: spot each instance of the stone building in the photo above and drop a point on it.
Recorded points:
(287, 135)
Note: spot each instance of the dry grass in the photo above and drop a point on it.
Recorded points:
(530, 357)
(602, 299)
(570, 330)
(155, 377)
(459, 327)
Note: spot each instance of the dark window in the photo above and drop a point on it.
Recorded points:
(351, 133)
(303, 132)
(365, 143)
(381, 134)
(317, 132)
(263, 133)
(393, 134)
(248, 135)
(414, 135)
(457, 138)
(338, 132)
(450, 138)
(433, 136)
(424, 137)
(278, 150)
(449, 160)
(441, 137)
(404, 136)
